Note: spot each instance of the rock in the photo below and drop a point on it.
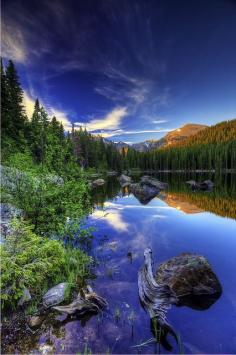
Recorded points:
(204, 186)
(94, 175)
(111, 173)
(188, 275)
(46, 349)
(55, 179)
(124, 180)
(36, 321)
(192, 183)
(55, 295)
(98, 182)
(26, 297)
(144, 193)
(152, 182)
(8, 212)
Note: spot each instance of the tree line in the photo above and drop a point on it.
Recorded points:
(50, 146)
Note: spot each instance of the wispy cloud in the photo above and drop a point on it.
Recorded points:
(13, 45)
(111, 121)
(121, 132)
(159, 121)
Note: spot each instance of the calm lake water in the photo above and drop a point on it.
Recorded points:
(175, 221)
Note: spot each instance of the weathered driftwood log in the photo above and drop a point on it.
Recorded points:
(183, 280)
(87, 301)
(155, 298)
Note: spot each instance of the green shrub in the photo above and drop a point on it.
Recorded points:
(36, 263)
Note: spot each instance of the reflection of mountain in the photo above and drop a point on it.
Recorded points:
(177, 201)
(224, 206)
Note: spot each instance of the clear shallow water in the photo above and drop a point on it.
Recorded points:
(174, 222)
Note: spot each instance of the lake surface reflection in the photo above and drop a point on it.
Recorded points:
(175, 221)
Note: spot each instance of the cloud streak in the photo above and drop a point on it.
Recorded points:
(111, 121)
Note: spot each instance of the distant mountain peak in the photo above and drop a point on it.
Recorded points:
(172, 137)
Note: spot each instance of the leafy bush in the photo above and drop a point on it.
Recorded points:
(47, 205)
(37, 263)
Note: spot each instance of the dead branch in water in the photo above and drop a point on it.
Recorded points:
(87, 301)
(155, 298)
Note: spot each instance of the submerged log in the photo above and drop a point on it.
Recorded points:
(155, 297)
(185, 280)
(87, 301)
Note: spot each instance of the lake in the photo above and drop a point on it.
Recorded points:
(175, 221)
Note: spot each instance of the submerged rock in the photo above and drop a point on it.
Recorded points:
(98, 182)
(55, 295)
(144, 193)
(188, 274)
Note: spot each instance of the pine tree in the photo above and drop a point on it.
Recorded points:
(16, 115)
(5, 103)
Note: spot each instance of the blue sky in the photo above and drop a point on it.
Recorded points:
(128, 69)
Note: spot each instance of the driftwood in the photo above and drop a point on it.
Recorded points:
(185, 280)
(155, 298)
(87, 301)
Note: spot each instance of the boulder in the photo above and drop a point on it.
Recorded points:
(152, 182)
(36, 321)
(188, 275)
(54, 179)
(55, 295)
(144, 193)
(8, 212)
(98, 182)
(26, 297)
(206, 185)
(192, 184)
(124, 180)
(111, 173)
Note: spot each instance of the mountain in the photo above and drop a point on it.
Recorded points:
(221, 132)
(171, 138)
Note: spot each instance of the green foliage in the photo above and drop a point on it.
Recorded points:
(93, 152)
(36, 263)
(13, 117)
(47, 204)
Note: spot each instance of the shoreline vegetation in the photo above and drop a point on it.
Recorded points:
(45, 173)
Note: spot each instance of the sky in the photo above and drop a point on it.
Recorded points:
(130, 70)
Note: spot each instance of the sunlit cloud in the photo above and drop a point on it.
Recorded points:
(111, 121)
(28, 103)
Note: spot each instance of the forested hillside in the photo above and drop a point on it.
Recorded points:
(44, 140)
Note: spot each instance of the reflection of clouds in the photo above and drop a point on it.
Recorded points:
(120, 206)
(113, 218)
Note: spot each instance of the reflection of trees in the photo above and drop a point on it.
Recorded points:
(224, 206)
(108, 191)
